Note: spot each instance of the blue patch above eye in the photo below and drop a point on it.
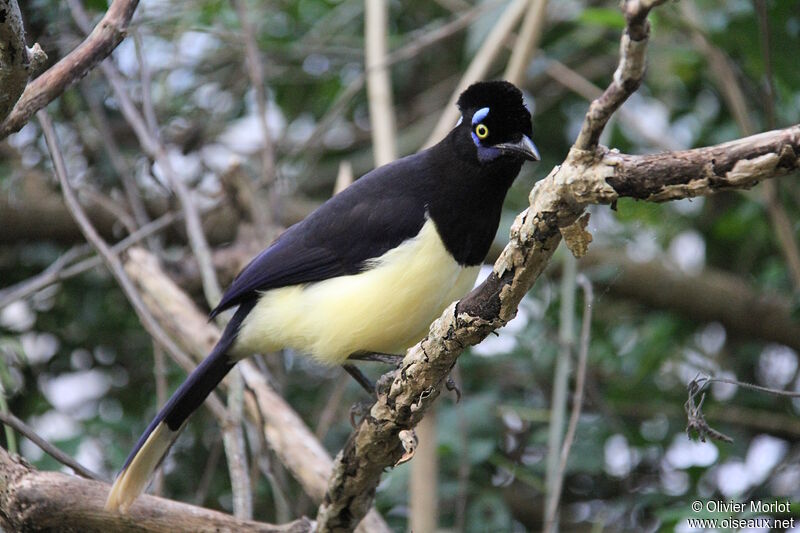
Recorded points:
(479, 115)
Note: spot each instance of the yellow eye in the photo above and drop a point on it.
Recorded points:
(481, 131)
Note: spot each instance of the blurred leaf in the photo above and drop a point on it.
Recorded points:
(603, 16)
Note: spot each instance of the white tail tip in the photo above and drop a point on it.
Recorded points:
(133, 479)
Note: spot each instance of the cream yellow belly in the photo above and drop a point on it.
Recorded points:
(387, 308)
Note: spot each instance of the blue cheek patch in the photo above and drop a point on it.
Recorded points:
(488, 153)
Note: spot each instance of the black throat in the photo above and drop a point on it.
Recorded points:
(467, 196)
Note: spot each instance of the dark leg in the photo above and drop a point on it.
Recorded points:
(450, 384)
(388, 358)
(359, 376)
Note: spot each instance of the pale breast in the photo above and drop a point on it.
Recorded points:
(386, 308)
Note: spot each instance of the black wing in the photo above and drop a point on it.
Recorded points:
(372, 216)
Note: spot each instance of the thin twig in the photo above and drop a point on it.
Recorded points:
(120, 166)
(408, 51)
(146, 83)
(263, 461)
(208, 472)
(704, 381)
(577, 83)
(627, 77)
(24, 429)
(784, 228)
(577, 400)
(560, 394)
(695, 420)
(726, 78)
(59, 271)
(255, 72)
(479, 66)
(379, 85)
(11, 437)
(156, 150)
(333, 401)
(22, 289)
(111, 260)
(235, 452)
(527, 43)
(116, 211)
(464, 464)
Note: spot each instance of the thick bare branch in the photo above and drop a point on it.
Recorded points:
(108, 33)
(738, 164)
(36, 501)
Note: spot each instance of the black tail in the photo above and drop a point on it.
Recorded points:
(157, 439)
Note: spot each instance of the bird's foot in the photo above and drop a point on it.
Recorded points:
(360, 378)
(384, 382)
(358, 411)
(450, 385)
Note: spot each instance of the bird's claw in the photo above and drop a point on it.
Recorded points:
(358, 411)
(450, 385)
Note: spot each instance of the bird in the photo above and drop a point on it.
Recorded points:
(368, 270)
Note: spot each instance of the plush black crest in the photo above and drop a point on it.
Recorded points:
(503, 99)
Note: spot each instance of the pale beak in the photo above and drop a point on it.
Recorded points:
(524, 147)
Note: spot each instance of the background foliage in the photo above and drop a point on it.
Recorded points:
(77, 365)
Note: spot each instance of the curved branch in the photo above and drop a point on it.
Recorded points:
(627, 77)
(50, 501)
(108, 33)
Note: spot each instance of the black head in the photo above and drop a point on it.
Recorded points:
(496, 122)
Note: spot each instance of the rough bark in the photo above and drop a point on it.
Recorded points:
(32, 501)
